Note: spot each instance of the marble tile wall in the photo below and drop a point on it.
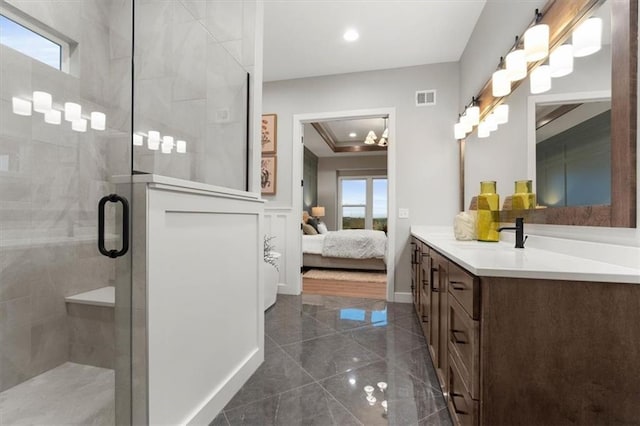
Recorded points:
(55, 177)
(191, 62)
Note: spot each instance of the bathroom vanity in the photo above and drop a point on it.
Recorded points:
(528, 336)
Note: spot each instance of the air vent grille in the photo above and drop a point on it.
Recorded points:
(425, 97)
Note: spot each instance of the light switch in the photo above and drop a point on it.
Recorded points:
(403, 213)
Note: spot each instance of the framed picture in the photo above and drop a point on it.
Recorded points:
(269, 131)
(269, 170)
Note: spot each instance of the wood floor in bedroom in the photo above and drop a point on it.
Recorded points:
(327, 282)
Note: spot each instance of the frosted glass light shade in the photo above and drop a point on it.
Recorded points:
(466, 123)
(490, 120)
(167, 140)
(501, 114)
(587, 38)
(42, 102)
(501, 85)
(79, 125)
(53, 116)
(153, 144)
(483, 130)
(561, 61)
(21, 106)
(154, 136)
(459, 131)
(181, 147)
(473, 115)
(166, 148)
(72, 111)
(138, 140)
(540, 79)
(536, 42)
(516, 65)
(98, 120)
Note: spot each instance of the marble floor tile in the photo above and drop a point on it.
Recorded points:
(278, 373)
(387, 341)
(220, 420)
(408, 399)
(418, 363)
(330, 355)
(441, 418)
(70, 394)
(287, 331)
(347, 318)
(315, 303)
(308, 405)
(409, 323)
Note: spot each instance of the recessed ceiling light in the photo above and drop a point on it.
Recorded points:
(352, 135)
(351, 35)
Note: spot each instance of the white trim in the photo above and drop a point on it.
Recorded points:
(296, 177)
(532, 101)
(403, 297)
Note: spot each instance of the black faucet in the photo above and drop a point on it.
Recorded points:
(519, 228)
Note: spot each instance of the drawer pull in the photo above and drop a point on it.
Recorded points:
(455, 340)
(457, 285)
(453, 402)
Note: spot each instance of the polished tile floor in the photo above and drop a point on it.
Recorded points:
(320, 353)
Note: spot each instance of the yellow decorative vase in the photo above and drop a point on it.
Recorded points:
(523, 196)
(488, 213)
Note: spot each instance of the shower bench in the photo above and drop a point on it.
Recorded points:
(91, 321)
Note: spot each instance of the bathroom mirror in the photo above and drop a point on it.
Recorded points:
(593, 79)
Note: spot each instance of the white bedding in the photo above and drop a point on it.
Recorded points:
(312, 244)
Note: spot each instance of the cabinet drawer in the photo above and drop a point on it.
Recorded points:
(466, 289)
(463, 408)
(463, 344)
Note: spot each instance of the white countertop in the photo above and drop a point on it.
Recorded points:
(501, 259)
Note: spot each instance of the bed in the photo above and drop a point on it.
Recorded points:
(347, 249)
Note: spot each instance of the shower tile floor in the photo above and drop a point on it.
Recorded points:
(70, 394)
(320, 352)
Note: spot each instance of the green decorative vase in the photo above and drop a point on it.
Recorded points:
(523, 196)
(488, 212)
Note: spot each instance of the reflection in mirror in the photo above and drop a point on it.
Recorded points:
(573, 153)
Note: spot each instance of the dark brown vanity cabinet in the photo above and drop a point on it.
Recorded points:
(415, 274)
(522, 351)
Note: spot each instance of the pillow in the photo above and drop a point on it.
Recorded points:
(309, 230)
(313, 222)
(305, 216)
(322, 228)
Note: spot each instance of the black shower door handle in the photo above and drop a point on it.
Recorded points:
(113, 198)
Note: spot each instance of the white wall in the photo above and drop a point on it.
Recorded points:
(427, 154)
(328, 168)
(503, 156)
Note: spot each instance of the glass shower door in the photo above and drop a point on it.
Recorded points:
(65, 275)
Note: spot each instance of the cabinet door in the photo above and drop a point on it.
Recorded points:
(425, 282)
(438, 324)
(415, 274)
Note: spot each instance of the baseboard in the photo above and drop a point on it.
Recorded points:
(286, 289)
(402, 297)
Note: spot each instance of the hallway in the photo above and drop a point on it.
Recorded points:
(320, 353)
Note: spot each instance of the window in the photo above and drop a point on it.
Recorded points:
(363, 203)
(30, 39)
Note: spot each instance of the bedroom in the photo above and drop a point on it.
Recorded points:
(344, 207)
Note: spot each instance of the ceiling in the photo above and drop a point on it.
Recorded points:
(303, 38)
(338, 131)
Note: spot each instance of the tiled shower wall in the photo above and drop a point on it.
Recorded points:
(55, 177)
(191, 64)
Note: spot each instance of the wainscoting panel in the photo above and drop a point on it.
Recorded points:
(284, 225)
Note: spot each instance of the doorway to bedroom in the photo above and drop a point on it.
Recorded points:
(345, 205)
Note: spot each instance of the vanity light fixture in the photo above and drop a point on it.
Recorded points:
(72, 111)
(587, 38)
(42, 102)
(458, 131)
(516, 63)
(181, 147)
(167, 144)
(79, 125)
(501, 114)
(98, 120)
(491, 122)
(464, 120)
(540, 79)
(21, 106)
(473, 112)
(153, 140)
(536, 40)
(138, 140)
(53, 116)
(501, 85)
(483, 130)
(561, 61)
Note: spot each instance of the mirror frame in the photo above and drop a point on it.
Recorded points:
(562, 17)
